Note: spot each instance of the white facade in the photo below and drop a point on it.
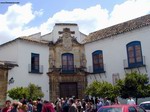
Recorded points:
(19, 51)
(54, 35)
(73, 27)
(113, 47)
(114, 52)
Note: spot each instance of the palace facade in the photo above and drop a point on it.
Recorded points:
(63, 62)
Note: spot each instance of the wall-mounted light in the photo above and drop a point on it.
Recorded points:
(11, 80)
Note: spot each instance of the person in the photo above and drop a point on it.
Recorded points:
(34, 106)
(83, 104)
(30, 106)
(99, 104)
(92, 100)
(65, 105)
(39, 105)
(130, 101)
(21, 108)
(58, 105)
(24, 107)
(73, 107)
(106, 101)
(47, 107)
(7, 107)
(78, 104)
(116, 102)
(14, 107)
(89, 107)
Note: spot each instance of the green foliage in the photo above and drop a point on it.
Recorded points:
(18, 92)
(92, 89)
(30, 92)
(134, 85)
(34, 92)
(102, 89)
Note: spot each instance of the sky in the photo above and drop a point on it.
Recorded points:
(26, 17)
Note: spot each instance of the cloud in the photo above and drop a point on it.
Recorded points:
(15, 22)
(92, 17)
(95, 17)
(129, 10)
(39, 13)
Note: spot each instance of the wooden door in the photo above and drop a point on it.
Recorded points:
(68, 89)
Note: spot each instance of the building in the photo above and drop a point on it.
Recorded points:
(31, 56)
(114, 51)
(65, 61)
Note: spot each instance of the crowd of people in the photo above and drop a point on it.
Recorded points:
(27, 106)
(60, 105)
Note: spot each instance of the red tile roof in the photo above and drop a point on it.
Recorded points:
(25, 38)
(119, 28)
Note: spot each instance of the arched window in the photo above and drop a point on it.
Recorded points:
(134, 53)
(67, 63)
(98, 66)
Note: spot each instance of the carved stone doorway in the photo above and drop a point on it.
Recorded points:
(66, 85)
(68, 89)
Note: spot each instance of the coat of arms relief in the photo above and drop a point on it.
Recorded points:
(67, 39)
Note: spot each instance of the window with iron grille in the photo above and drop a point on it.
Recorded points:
(98, 66)
(34, 62)
(134, 54)
(67, 63)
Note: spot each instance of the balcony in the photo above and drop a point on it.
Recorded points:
(35, 69)
(135, 65)
(75, 70)
(99, 71)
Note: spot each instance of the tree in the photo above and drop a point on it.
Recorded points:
(17, 93)
(102, 89)
(31, 92)
(92, 89)
(34, 92)
(134, 85)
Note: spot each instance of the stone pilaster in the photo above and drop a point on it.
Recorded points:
(3, 86)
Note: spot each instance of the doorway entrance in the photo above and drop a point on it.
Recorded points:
(68, 89)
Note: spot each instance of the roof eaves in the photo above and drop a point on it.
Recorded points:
(119, 29)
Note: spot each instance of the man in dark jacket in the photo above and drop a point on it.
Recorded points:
(73, 107)
(39, 105)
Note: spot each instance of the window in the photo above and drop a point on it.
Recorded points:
(98, 66)
(146, 106)
(34, 62)
(134, 53)
(140, 109)
(67, 63)
(132, 109)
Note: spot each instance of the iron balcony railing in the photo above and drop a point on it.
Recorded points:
(91, 71)
(74, 70)
(134, 65)
(35, 69)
